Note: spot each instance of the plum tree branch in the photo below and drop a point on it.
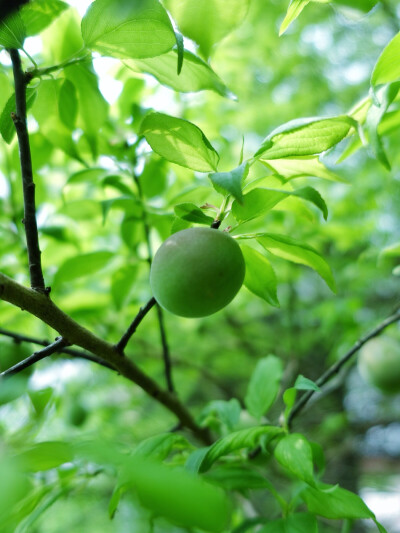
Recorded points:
(335, 368)
(160, 316)
(18, 337)
(31, 231)
(52, 348)
(121, 345)
(39, 305)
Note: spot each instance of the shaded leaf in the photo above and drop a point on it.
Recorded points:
(297, 252)
(45, 455)
(192, 213)
(7, 128)
(37, 15)
(68, 104)
(260, 277)
(303, 383)
(82, 265)
(12, 31)
(294, 453)
(294, 523)
(264, 386)
(335, 503)
(259, 201)
(231, 182)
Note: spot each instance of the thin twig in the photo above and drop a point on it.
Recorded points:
(31, 231)
(58, 344)
(163, 333)
(121, 345)
(68, 351)
(335, 369)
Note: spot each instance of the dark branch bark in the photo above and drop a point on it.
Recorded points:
(42, 307)
(68, 351)
(163, 333)
(121, 345)
(55, 347)
(335, 369)
(19, 118)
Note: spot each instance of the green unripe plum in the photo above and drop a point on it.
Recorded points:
(197, 271)
(379, 364)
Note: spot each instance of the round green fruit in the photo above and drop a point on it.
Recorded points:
(196, 272)
(379, 364)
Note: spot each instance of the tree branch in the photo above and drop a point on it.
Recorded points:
(39, 305)
(68, 351)
(55, 347)
(121, 345)
(335, 369)
(160, 317)
(19, 119)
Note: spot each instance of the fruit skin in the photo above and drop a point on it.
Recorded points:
(197, 271)
(379, 364)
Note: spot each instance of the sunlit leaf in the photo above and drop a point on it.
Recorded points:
(179, 141)
(39, 14)
(196, 74)
(302, 137)
(207, 21)
(294, 10)
(82, 265)
(126, 29)
(12, 31)
(387, 68)
(295, 167)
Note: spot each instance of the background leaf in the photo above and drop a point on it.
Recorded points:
(264, 386)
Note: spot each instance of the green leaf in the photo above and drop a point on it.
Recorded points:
(294, 453)
(296, 167)
(207, 21)
(289, 399)
(204, 458)
(303, 383)
(192, 213)
(40, 399)
(231, 182)
(45, 455)
(387, 68)
(82, 265)
(37, 15)
(7, 128)
(297, 252)
(126, 29)
(93, 108)
(307, 136)
(294, 10)
(264, 385)
(179, 141)
(68, 104)
(173, 493)
(121, 283)
(12, 31)
(196, 74)
(294, 523)
(260, 277)
(237, 477)
(227, 412)
(158, 447)
(383, 98)
(259, 201)
(11, 389)
(335, 503)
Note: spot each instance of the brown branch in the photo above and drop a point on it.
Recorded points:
(18, 337)
(335, 369)
(31, 231)
(160, 317)
(55, 347)
(121, 345)
(39, 305)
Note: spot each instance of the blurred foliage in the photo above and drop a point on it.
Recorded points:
(99, 185)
